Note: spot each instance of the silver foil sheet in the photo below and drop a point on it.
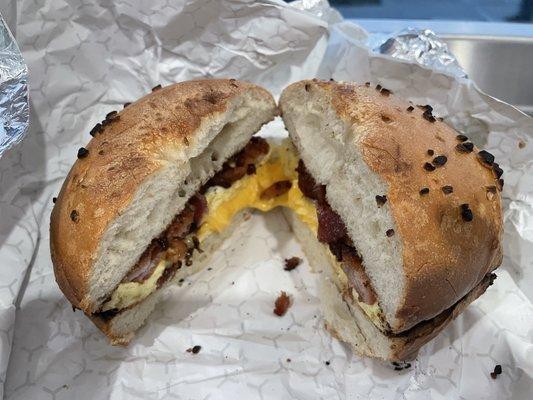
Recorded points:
(422, 46)
(14, 107)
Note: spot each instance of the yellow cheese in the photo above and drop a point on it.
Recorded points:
(279, 165)
(130, 293)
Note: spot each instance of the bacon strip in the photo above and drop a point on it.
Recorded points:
(275, 190)
(331, 230)
(240, 164)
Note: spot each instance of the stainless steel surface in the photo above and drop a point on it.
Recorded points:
(501, 66)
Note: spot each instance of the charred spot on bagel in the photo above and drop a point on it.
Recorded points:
(428, 116)
(111, 115)
(96, 129)
(213, 97)
(465, 147)
(74, 215)
(410, 109)
(386, 118)
(83, 152)
(447, 189)
(497, 170)
(485, 157)
(466, 212)
(381, 199)
(439, 161)
(429, 167)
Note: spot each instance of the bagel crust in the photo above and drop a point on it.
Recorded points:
(132, 145)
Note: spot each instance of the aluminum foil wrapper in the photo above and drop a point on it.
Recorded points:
(423, 47)
(319, 8)
(14, 108)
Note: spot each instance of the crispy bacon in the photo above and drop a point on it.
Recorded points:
(331, 230)
(199, 203)
(330, 225)
(146, 265)
(275, 190)
(181, 224)
(282, 304)
(239, 165)
(168, 273)
(308, 185)
(353, 267)
(170, 242)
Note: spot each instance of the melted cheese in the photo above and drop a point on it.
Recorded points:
(278, 165)
(130, 293)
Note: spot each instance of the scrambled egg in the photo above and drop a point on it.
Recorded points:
(130, 293)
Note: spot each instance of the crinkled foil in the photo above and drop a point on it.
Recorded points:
(319, 8)
(14, 108)
(423, 47)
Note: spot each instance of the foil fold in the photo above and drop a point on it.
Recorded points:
(422, 46)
